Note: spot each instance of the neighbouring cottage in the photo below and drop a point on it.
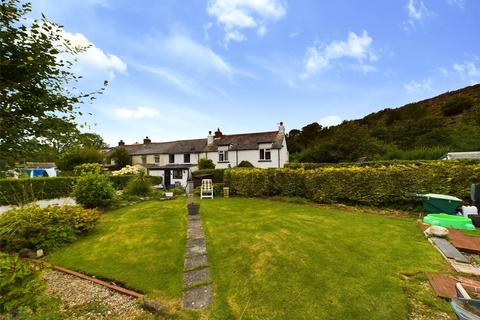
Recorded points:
(174, 160)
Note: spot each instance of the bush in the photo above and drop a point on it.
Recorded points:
(245, 164)
(94, 191)
(215, 174)
(205, 163)
(120, 157)
(120, 182)
(85, 168)
(25, 190)
(127, 170)
(21, 286)
(384, 186)
(456, 105)
(35, 228)
(139, 185)
(75, 157)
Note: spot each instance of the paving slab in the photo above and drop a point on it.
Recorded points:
(194, 277)
(195, 217)
(195, 233)
(196, 250)
(197, 298)
(196, 242)
(195, 262)
(194, 224)
(448, 250)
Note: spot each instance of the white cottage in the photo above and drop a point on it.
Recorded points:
(174, 160)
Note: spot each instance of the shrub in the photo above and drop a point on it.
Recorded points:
(215, 174)
(456, 105)
(384, 186)
(120, 182)
(205, 163)
(77, 156)
(25, 190)
(127, 170)
(94, 191)
(120, 157)
(85, 168)
(139, 185)
(245, 164)
(21, 286)
(34, 228)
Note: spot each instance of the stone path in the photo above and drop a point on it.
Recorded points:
(196, 279)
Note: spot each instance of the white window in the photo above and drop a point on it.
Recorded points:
(157, 158)
(223, 156)
(265, 155)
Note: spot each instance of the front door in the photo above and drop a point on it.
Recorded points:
(167, 179)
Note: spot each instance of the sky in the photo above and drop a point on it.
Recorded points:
(177, 69)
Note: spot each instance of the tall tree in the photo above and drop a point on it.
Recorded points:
(38, 100)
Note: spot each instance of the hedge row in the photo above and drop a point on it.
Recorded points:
(384, 186)
(25, 190)
(379, 163)
(217, 174)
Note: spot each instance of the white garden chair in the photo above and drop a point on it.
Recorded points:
(206, 190)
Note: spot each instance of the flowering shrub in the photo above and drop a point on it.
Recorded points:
(87, 168)
(128, 170)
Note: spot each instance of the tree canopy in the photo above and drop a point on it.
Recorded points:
(38, 99)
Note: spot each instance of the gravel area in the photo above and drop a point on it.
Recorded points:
(44, 203)
(82, 299)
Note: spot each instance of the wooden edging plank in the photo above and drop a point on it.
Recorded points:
(113, 287)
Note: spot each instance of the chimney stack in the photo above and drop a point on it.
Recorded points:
(218, 133)
(121, 143)
(209, 138)
(281, 128)
(146, 140)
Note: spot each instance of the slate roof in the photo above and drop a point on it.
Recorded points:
(244, 141)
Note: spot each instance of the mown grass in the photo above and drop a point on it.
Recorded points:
(141, 247)
(279, 260)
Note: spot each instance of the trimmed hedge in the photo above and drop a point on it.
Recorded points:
(25, 190)
(384, 186)
(379, 163)
(217, 174)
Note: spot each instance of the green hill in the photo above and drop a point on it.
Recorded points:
(425, 129)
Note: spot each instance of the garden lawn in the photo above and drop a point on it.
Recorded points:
(281, 260)
(139, 246)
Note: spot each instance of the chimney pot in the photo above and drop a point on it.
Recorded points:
(121, 143)
(218, 133)
(281, 128)
(146, 140)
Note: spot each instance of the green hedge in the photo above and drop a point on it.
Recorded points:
(379, 163)
(384, 186)
(15, 191)
(25, 190)
(217, 174)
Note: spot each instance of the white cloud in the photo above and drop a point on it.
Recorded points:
(417, 11)
(194, 54)
(467, 69)
(93, 58)
(236, 15)
(457, 3)
(414, 87)
(136, 113)
(329, 121)
(357, 47)
(234, 35)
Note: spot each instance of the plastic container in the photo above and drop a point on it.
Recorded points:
(438, 203)
(475, 219)
(469, 210)
(449, 221)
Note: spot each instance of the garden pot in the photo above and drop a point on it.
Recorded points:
(193, 209)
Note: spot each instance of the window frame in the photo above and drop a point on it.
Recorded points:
(223, 156)
(171, 158)
(177, 174)
(263, 154)
(144, 159)
(185, 155)
(157, 158)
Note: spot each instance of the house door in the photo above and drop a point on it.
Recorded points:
(167, 179)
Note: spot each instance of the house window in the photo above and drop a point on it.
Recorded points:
(177, 174)
(144, 159)
(186, 158)
(157, 158)
(223, 156)
(171, 158)
(265, 155)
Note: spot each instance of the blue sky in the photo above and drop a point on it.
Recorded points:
(178, 69)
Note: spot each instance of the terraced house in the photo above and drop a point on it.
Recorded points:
(174, 160)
